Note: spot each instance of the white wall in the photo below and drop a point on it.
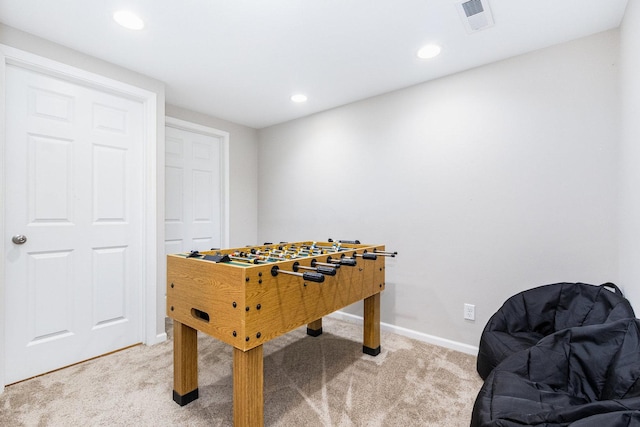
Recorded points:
(629, 230)
(487, 182)
(243, 174)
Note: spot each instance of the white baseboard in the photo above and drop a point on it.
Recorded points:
(410, 333)
(158, 339)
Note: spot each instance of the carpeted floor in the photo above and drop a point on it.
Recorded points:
(323, 381)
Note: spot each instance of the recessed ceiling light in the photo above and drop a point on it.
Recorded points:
(429, 51)
(128, 20)
(299, 97)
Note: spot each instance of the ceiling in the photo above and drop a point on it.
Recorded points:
(241, 60)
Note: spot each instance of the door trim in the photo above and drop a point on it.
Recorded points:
(151, 148)
(224, 168)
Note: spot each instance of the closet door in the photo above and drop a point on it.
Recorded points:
(73, 224)
(193, 191)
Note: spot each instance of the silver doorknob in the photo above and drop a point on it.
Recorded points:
(19, 239)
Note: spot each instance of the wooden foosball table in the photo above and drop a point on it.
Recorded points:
(248, 296)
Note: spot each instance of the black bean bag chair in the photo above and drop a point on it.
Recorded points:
(528, 316)
(611, 419)
(567, 378)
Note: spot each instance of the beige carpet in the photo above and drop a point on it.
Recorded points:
(323, 381)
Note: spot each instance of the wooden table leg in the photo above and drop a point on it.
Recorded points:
(248, 387)
(315, 328)
(185, 363)
(371, 341)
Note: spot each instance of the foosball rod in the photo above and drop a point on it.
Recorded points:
(349, 262)
(258, 259)
(247, 260)
(302, 251)
(310, 276)
(329, 271)
(314, 262)
(334, 248)
(385, 253)
(367, 255)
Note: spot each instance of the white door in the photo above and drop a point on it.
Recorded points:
(192, 191)
(73, 189)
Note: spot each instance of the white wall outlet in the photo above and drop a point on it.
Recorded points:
(470, 312)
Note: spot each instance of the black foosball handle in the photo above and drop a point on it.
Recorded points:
(313, 277)
(349, 242)
(349, 262)
(326, 270)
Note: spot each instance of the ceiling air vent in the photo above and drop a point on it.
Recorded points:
(475, 14)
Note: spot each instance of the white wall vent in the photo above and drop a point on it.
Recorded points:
(475, 14)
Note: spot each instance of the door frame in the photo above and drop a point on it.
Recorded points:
(151, 147)
(224, 168)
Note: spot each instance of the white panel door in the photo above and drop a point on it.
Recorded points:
(192, 191)
(74, 187)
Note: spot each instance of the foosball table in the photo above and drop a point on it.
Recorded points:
(248, 296)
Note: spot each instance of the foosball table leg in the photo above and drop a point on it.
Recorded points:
(248, 387)
(314, 328)
(185, 363)
(371, 340)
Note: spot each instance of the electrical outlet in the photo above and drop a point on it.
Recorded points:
(470, 312)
